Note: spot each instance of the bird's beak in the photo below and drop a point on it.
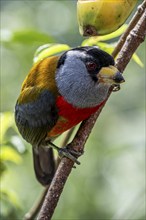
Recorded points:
(110, 75)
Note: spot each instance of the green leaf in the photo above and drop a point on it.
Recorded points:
(25, 37)
(106, 47)
(136, 58)
(18, 143)
(9, 200)
(9, 154)
(114, 34)
(7, 120)
(3, 167)
(94, 40)
(49, 50)
(90, 41)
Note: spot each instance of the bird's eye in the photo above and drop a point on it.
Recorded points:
(91, 66)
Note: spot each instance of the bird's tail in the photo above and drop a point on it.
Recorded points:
(44, 164)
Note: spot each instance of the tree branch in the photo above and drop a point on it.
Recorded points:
(135, 38)
(136, 17)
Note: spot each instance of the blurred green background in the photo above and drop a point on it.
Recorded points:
(110, 182)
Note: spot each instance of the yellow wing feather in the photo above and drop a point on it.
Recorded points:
(40, 77)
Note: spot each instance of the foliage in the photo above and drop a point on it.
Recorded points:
(49, 50)
(9, 199)
(24, 37)
(31, 36)
(110, 179)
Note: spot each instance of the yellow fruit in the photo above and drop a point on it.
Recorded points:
(100, 17)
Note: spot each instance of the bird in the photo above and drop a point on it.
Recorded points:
(58, 93)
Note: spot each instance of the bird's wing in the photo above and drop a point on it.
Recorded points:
(35, 110)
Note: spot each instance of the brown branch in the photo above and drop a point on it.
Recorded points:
(136, 36)
(36, 207)
(65, 142)
(133, 22)
(134, 39)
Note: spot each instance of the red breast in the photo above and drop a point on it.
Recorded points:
(69, 116)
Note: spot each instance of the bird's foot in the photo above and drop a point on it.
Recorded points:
(69, 153)
(66, 152)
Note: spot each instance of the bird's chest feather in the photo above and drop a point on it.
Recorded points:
(69, 116)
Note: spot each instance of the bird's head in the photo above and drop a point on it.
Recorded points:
(85, 74)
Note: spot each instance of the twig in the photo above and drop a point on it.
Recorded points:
(133, 41)
(65, 142)
(136, 17)
(136, 36)
(36, 207)
(67, 137)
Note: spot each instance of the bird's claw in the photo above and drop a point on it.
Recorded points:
(69, 153)
(66, 152)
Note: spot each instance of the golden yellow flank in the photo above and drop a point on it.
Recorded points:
(100, 17)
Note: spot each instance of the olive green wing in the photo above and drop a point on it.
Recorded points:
(35, 118)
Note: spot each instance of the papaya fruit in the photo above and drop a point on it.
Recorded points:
(100, 17)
